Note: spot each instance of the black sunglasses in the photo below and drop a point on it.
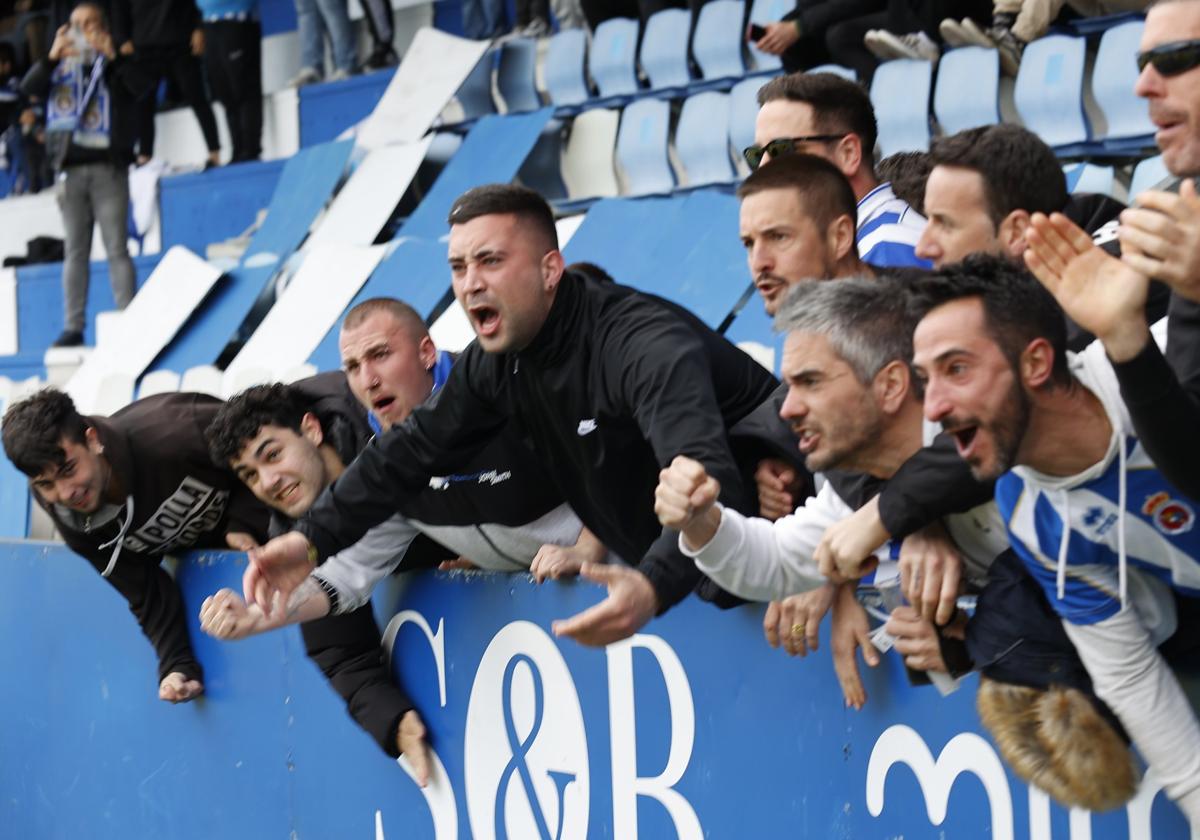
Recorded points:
(1171, 59)
(783, 146)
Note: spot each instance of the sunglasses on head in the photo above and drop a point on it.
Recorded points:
(1171, 59)
(783, 146)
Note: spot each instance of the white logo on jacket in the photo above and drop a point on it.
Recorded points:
(586, 427)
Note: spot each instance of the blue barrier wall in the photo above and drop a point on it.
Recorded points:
(326, 110)
(693, 729)
(201, 208)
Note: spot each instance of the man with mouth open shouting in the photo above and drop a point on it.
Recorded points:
(607, 385)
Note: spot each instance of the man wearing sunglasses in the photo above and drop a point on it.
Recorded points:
(825, 115)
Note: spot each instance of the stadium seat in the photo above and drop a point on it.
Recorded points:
(1127, 115)
(967, 94)
(743, 108)
(158, 382)
(515, 75)
(836, 69)
(664, 53)
(234, 382)
(613, 57)
(1147, 175)
(587, 165)
(301, 371)
(642, 147)
(566, 78)
(1049, 92)
(1089, 178)
(475, 93)
(201, 379)
(719, 41)
(763, 12)
(702, 139)
(900, 94)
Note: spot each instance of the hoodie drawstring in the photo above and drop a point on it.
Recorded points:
(1064, 544)
(1121, 500)
(112, 561)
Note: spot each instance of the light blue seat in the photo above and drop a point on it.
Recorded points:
(837, 70)
(642, 147)
(702, 139)
(515, 74)
(1090, 178)
(743, 109)
(664, 51)
(1147, 175)
(475, 93)
(1049, 92)
(763, 12)
(566, 79)
(900, 94)
(1114, 74)
(967, 94)
(612, 58)
(719, 41)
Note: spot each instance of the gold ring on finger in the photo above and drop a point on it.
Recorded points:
(797, 629)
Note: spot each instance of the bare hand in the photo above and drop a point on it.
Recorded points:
(795, 622)
(685, 493)
(176, 688)
(931, 573)
(1100, 292)
(780, 37)
(461, 564)
(127, 48)
(849, 633)
(916, 640)
(553, 562)
(198, 42)
(1160, 238)
(775, 480)
(102, 42)
(631, 602)
(279, 566)
(410, 743)
(224, 615)
(64, 44)
(846, 551)
(240, 541)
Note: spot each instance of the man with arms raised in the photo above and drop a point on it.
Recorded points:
(606, 385)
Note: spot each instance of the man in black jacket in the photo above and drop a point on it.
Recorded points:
(128, 489)
(606, 386)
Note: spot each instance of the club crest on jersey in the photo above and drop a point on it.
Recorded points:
(1170, 516)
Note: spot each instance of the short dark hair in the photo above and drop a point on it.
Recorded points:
(826, 192)
(242, 417)
(838, 104)
(907, 172)
(1019, 171)
(506, 199)
(1017, 309)
(404, 314)
(35, 428)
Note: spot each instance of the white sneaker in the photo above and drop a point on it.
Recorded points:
(338, 75)
(957, 34)
(915, 45)
(882, 44)
(976, 35)
(306, 76)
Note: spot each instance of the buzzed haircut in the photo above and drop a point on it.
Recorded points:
(839, 105)
(868, 321)
(404, 314)
(242, 417)
(507, 199)
(1019, 171)
(1017, 309)
(825, 191)
(35, 428)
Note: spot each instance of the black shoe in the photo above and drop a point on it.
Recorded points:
(68, 338)
(380, 58)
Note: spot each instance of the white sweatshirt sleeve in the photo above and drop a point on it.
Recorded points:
(1137, 684)
(762, 560)
(353, 572)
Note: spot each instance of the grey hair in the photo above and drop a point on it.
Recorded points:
(866, 320)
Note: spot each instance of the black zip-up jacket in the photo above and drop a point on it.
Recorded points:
(612, 388)
(154, 23)
(175, 499)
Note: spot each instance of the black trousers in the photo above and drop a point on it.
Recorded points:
(816, 18)
(233, 59)
(178, 64)
(381, 21)
(529, 10)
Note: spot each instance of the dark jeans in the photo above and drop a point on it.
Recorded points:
(178, 63)
(233, 59)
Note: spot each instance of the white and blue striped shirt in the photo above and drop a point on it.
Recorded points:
(888, 230)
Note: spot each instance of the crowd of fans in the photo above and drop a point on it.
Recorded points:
(974, 403)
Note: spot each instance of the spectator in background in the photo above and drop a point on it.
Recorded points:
(165, 40)
(906, 29)
(826, 115)
(907, 172)
(233, 59)
(90, 94)
(315, 19)
(483, 19)
(799, 38)
(382, 24)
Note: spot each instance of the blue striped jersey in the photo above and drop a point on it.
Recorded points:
(888, 230)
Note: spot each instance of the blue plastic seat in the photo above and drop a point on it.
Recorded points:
(719, 40)
(475, 93)
(1049, 92)
(743, 110)
(664, 52)
(642, 147)
(900, 94)
(1113, 77)
(515, 74)
(612, 58)
(702, 139)
(837, 70)
(1147, 175)
(1090, 178)
(566, 79)
(763, 12)
(968, 89)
